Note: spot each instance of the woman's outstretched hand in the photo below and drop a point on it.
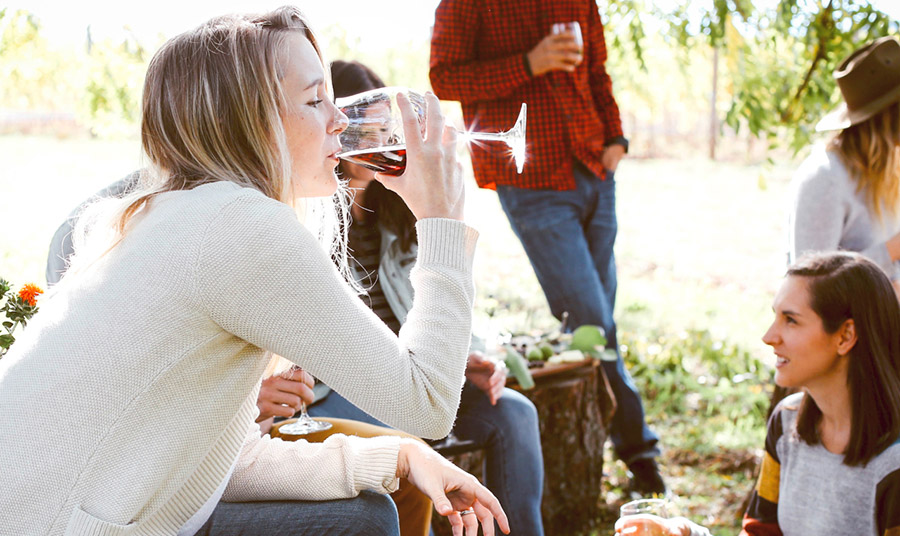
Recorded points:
(451, 489)
(432, 185)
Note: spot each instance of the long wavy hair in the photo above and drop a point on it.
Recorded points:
(211, 112)
(845, 286)
(871, 152)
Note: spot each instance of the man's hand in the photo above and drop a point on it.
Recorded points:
(555, 52)
(486, 376)
(280, 395)
(611, 156)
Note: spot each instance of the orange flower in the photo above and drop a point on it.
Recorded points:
(29, 293)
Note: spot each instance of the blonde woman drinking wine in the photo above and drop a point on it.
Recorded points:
(155, 339)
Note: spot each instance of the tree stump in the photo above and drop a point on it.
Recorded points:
(574, 404)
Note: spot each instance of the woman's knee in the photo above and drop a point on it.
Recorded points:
(514, 408)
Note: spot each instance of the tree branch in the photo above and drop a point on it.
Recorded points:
(826, 27)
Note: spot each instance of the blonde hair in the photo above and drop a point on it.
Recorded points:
(871, 152)
(210, 113)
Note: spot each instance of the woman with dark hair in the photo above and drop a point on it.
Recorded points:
(832, 456)
(181, 291)
(846, 195)
(382, 240)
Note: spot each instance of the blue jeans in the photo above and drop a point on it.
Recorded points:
(369, 514)
(514, 467)
(568, 236)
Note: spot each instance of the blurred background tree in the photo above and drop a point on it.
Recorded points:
(735, 71)
(98, 86)
(777, 57)
(32, 75)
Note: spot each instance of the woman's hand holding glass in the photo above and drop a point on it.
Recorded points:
(649, 517)
(282, 395)
(456, 494)
(651, 525)
(304, 423)
(432, 184)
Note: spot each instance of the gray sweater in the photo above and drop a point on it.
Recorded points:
(818, 494)
(828, 213)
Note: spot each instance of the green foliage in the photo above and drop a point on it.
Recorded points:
(712, 392)
(112, 90)
(624, 26)
(101, 82)
(32, 76)
(779, 59)
(17, 309)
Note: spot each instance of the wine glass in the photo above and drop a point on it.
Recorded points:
(569, 27)
(304, 423)
(656, 507)
(374, 136)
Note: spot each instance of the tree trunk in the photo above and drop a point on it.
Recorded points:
(574, 404)
(713, 116)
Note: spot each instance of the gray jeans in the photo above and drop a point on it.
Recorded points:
(370, 514)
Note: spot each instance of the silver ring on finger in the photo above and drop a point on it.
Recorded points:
(466, 512)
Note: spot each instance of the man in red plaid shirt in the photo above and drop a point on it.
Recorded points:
(493, 55)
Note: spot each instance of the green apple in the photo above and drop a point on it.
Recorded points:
(589, 339)
(546, 351)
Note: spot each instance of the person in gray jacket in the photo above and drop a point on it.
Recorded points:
(846, 194)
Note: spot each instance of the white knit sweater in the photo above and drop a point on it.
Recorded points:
(129, 397)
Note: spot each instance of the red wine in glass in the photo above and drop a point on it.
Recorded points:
(387, 160)
(374, 136)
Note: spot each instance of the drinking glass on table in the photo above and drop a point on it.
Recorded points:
(374, 136)
(642, 507)
(304, 423)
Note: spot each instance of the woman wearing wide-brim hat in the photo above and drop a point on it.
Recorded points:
(846, 194)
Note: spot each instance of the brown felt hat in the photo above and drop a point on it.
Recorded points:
(869, 80)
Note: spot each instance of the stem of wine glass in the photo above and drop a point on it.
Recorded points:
(483, 136)
(514, 138)
(303, 414)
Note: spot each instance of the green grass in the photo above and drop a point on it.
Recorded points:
(700, 253)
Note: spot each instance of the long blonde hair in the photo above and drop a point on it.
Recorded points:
(871, 152)
(210, 113)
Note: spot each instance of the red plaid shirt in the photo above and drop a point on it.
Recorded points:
(477, 58)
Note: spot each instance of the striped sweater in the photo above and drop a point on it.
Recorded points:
(805, 489)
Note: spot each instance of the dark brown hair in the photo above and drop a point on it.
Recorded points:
(388, 209)
(845, 286)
